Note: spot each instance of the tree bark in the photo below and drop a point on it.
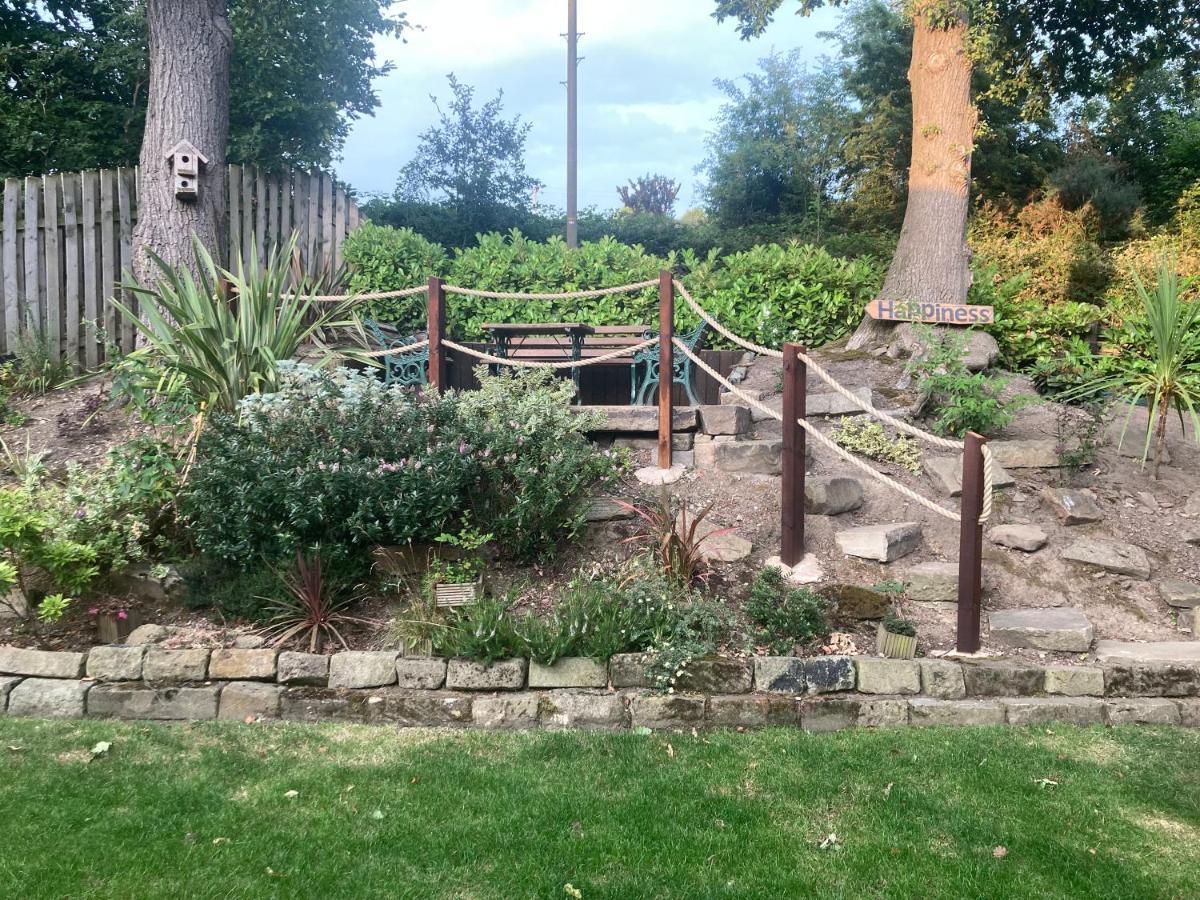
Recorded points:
(932, 262)
(190, 48)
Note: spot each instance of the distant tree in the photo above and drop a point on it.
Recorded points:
(653, 194)
(473, 161)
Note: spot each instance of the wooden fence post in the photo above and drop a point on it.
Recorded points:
(437, 326)
(666, 365)
(795, 390)
(970, 545)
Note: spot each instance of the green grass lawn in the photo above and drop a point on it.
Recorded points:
(332, 811)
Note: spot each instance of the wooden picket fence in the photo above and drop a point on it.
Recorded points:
(66, 240)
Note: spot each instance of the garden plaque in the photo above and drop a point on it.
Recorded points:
(936, 313)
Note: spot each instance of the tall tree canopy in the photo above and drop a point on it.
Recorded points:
(77, 77)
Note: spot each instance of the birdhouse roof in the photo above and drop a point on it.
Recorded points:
(186, 147)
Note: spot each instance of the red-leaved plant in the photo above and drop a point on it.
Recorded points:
(673, 533)
(311, 609)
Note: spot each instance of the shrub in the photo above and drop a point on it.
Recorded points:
(482, 631)
(869, 439)
(387, 259)
(236, 593)
(312, 607)
(785, 616)
(673, 533)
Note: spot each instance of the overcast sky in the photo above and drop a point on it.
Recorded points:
(646, 92)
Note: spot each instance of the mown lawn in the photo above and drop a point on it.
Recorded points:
(208, 811)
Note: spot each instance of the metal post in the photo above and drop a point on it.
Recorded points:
(970, 546)
(666, 365)
(437, 327)
(795, 389)
(572, 124)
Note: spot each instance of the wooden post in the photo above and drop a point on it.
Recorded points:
(970, 546)
(437, 326)
(795, 390)
(666, 365)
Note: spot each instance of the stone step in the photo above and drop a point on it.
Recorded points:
(1037, 454)
(946, 474)
(883, 543)
(1110, 556)
(1061, 628)
(639, 418)
(1158, 653)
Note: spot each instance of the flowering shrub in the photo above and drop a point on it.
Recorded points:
(339, 460)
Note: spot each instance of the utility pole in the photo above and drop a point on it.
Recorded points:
(572, 124)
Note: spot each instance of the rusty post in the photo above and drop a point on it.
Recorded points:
(795, 389)
(437, 327)
(970, 545)
(666, 365)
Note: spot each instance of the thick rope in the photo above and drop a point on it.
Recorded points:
(392, 351)
(377, 295)
(536, 364)
(566, 295)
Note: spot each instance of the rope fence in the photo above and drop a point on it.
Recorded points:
(540, 364)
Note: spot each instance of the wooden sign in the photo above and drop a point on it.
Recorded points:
(934, 313)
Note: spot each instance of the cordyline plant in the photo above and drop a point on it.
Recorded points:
(1163, 372)
(310, 610)
(673, 533)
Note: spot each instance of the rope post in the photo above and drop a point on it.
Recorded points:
(970, 545)
(666, 365)
(795, 390)
(437, 327)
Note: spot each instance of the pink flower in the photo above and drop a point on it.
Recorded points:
(93, 611)
(462, 447)
(122, 615)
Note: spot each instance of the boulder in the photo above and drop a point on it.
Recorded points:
(1180, 594)
(1034, 454)
(1072, 507)
(1061, 628)
(832, 496)
(303, 669)
(48, 698)
(7, 683)
(724, 419)
(883, 543)
(1110, 556)
(750, 457)
(856, 603)
(980, 351)
(41, 663)
(831, 403)
(932, 582)
(1028, 538)
(946, 474)
(147, 634)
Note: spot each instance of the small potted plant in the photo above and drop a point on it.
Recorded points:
(897, 638)
(458, 581)
(113, 625)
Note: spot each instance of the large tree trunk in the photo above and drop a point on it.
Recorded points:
(932, 263)
(190, 48)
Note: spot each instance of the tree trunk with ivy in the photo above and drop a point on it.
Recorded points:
(932, 262)
(191, 43)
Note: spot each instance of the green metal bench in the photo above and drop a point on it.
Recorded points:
(408, 369)
(645, 369)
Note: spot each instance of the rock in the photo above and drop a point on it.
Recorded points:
(654, 476)
(1035, 454)
(424, 673)
(1111, 556)
(303, 669)
(797, 675)
(48, 698)
(1189, 712)
(942, 679)
(831, 714)
(1191, 509)
(1072, 507)
(13, 606)
(946, 475)
(1028, 538)
(724, 419)
(925, 712)
(175, 665)
(149, 583)
(1157, 680)
(888, 676)
(751, 711)
(606, 509)
(680, 440)
(1185, 653)
(362, 668)
(1192, 537)
(858, 603)
(883, 543)
(503, 675)
(639, 418)
(570, 671)
(509, 711)
(716, 543)
(628, 670)
(147, 634)
(832, 496)
(249, 700)
(249, 642)
(7, 683)
(313, 704)
(242, 665)
(882, 713)
(578, 709)
(986, 679)
(716, 675)
(41, 663)
(1141, 711)
(932, 582)
(115, 663)
(432, 709)
(657, 711)
(807, 571)
(1180, 594)
(750, 457)
(1049, 710)
(1075, 681)
(831, 403)
(1062, 628)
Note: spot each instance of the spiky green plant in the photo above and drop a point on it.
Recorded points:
(222, 333)
(1162, 371)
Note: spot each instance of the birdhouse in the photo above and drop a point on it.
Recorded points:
(186, 162)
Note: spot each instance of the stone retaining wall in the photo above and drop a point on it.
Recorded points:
(816, 694)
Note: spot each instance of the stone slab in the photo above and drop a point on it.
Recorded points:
(988, 679)
(126, 701)
(882, 543)
(1049, 710)
(946, 474)
(924, 711)
(1180, 594)
(310, 669)
(1071, 506)
(639, 418)
(1063, 628)
(252, 701)
(1110, 556)
(717, 543)
(807, 571)
(426, 709)
(942, 679)
(724, 419)
(1142, 711)
(750, 457)
(502, 675)
(606, 509)
(751, 711)
(425, 673)
(579, 709)
(654, 476)
(1075, 681)
(175, 665)
(1032, 454)
(716, 675)
(628, 670)
(882, 713)
(570, 671)
(1159, 680)
(1028, 538)
(832, 496)
(830, 403)
(506, 711)
(931, 582)
(362, 668)
(804, 675)
(1186, 653)
(829, 714)
(888, 676)
(115, 663)
(242, 665)
(658, 711)
(41, 663)
(48, 698)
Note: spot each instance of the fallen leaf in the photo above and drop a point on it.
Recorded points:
(830, 842)
(291, 795)
(220, 840)
(670, 751)
(1000, 851)
(101, 747)
(15, 749)
(377, 815)
(275, 874)
(1044, 783)
(887, 791)
(643, 730)
(571, 891)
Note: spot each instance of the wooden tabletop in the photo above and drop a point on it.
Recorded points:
(539, 328)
